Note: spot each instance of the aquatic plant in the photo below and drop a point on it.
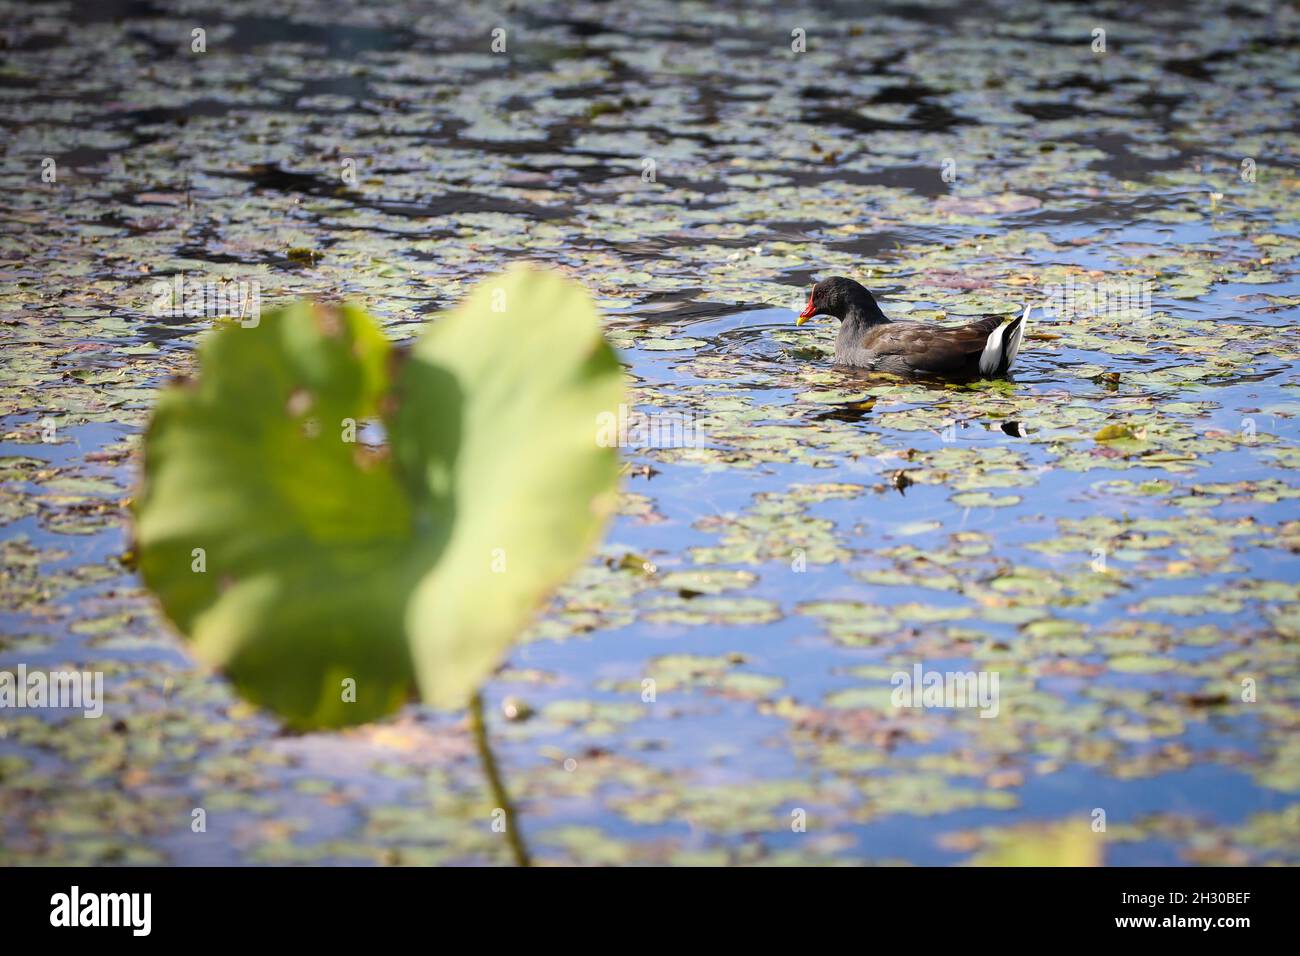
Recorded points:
(330, 577)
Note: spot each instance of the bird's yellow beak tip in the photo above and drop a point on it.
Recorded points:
(800, 320)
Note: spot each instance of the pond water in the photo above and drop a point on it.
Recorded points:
(1113, 531)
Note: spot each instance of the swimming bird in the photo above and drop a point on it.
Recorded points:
(984, 348)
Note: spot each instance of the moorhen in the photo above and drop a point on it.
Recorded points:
(867, 339)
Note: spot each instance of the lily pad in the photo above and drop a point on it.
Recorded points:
(327, 578)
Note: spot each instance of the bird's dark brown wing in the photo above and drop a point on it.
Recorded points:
(931, 349)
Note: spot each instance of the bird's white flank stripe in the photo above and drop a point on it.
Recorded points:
(995, 356)
(991, 357)
(1013, 347)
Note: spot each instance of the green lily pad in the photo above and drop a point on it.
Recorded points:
(1140, 664)
(298, 560)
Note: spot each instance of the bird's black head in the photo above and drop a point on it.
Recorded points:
(842, 298)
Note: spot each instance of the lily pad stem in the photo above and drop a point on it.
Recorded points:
(479, 728)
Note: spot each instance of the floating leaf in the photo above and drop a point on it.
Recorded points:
(1114, 433)
(324, 561)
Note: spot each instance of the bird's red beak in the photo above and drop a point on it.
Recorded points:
(808, 312)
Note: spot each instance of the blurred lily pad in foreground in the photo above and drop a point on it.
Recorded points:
(331, 578)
